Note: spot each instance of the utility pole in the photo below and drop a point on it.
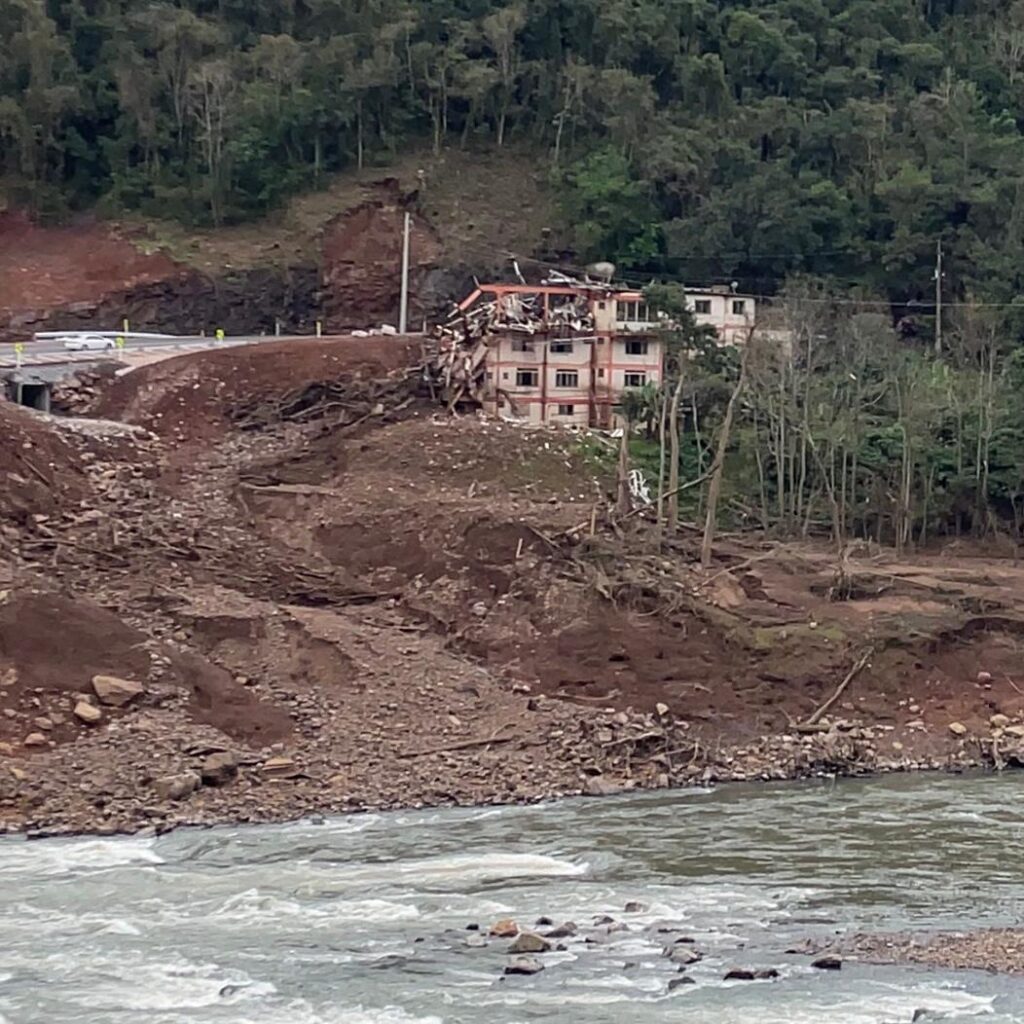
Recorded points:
(403, 312)
(938, 297)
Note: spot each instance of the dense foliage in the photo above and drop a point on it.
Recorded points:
(745, 139)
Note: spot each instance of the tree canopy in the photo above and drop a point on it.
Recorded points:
(696, 138)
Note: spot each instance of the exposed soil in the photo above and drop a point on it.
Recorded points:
(364, 603)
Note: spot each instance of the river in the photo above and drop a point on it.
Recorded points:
(362, 920)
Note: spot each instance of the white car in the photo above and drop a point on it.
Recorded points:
(87, 342)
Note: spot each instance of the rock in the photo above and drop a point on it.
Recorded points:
(87, 713)
(828, 963)
(280, 768)
(958, 728)
(6, 750)
(603, 919)
(984, 677)
(683, 979)
(599, 786)
(115, 691)
(766, 974)
(18, 773)
(42, 723)
(529, 942)
(219, 769)
(563, 931)
(543, 922)
(505, 929)
(999, 721)
(524, 965)
(740, 974)
(34, 739)
(684, 955)
(475, 940)
(661, 709)
(1014, 730)
(634, 907)
(176, 787)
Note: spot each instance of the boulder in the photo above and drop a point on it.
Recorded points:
(529, 942)
(740, 974)
(999, 721)
(683, 979)
(42, 723)
(115, 691)
(1015, 730)
(219, 769)
(634, 907)
(524, 965)
(34, 739)
(87, 713)
(564, 931)
(176, 787)
(828, 963)
(684, 955)
(6, 750)
(597, 785)
(475, 940)
(958, 728)
(505, 929)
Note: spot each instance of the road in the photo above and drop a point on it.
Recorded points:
(48, 352)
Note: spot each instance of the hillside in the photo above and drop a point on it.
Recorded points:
(734, 140)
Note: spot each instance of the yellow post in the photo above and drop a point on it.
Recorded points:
(220, 333)
(124, 325)
(119, 342)
(319, 329)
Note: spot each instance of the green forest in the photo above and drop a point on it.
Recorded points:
(745, 140)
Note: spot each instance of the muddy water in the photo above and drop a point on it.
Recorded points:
(362, 920)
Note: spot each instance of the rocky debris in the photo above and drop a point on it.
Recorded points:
(746, 974)
(678, 982)
(280, 768)
(600, 786)
(116, 692)
(504, 929)
(176, 787)
(563, 931)
(529, 942)
(87, 713)
(524, 965)
(219, 769)
(982, 949)
(998, 721)
(958, 728)
(475, 941)
(34, 739)
(634, 907)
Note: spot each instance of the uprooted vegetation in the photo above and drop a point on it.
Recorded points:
(364, 602)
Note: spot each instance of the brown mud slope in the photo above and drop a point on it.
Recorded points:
(44, 268)
(345, 599)
(203, 395)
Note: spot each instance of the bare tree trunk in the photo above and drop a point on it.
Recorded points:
(715, 487)
(624, 504)
(662, 413)
(672, 520)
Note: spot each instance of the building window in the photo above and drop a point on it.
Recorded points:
(739, 307)
(521, 345)
(600, 373)
(526, 378)
(636, 348)
(702, 307)
(635, 380)
(567, 379)
(566, 410)
(504, 375)
(564, 347)
(635, 312)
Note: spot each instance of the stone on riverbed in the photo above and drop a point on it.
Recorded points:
(828, 963)
(176, 787)
(115, 691)
(683, 955)
(524, 965)
(529, 942)
(563, 931)
(505, 929)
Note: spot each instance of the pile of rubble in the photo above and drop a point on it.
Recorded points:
(463, 340)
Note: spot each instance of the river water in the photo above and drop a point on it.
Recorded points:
(362, 920)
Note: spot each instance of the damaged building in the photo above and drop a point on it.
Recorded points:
(564, 351)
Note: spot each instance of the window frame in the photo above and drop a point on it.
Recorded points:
(529, 372)
(634, 373)
(574, 374)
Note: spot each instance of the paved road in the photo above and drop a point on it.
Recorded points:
(47, 352)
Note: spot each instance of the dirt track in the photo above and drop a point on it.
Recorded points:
(362, 603)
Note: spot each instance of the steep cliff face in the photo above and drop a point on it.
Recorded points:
(362, 260)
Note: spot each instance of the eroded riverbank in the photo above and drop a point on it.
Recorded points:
(364, 920)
